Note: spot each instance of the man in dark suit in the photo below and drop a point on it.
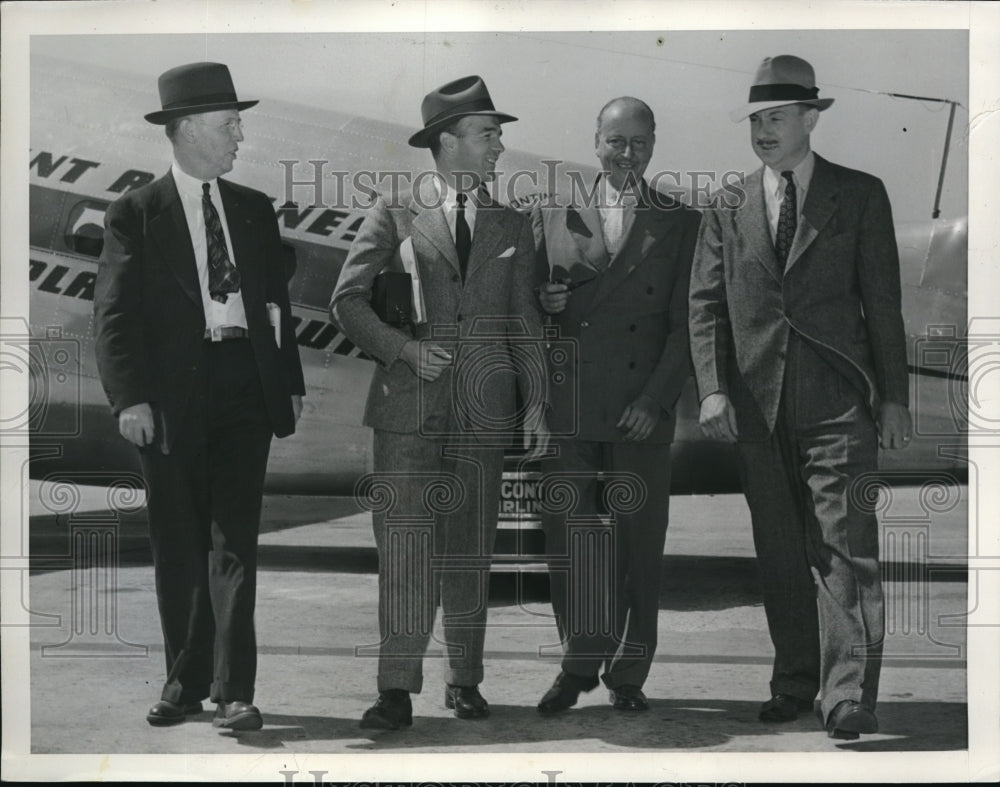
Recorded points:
(196, 353)
(800, 356)
(442, 401)
(613, 267)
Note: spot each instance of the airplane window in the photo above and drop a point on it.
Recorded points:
(85, 228)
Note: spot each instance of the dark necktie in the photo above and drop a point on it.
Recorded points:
(463, 235)
(787, 219)
(223, 278)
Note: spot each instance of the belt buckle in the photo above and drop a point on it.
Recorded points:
(216, 332)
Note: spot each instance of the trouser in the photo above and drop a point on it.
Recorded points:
(816, 536)
(204, 504)
(605, 572)
(434, 536)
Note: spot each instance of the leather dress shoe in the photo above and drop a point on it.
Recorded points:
(466, 701)
(784, 707)
(564, 692)
(237, 715)
(164, 713)
(849, 719)
(628, 697)
(391, 711)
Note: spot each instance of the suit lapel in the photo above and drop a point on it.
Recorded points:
(246, 253)
(821, 201)
(430, 227)
(751, 221)
(486, 237)
(173, 238)
(644, 227)
(583, 223)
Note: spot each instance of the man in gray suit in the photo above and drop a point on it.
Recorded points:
(614, 266)
(442, 399)
(800, 356)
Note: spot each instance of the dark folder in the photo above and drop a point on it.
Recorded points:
(392, 298)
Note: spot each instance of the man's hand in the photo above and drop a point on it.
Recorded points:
(640, 418)
(427, 360)
(894, 426)
(136, 424)
(297, 406)
(718, 419)
(553, 296)
(536, 432)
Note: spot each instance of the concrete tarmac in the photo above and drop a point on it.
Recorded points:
(97, 653)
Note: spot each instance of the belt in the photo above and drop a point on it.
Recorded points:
(225, 332)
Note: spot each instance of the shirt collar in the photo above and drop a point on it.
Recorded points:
(802, 172)
(190, 185)
(449, 197)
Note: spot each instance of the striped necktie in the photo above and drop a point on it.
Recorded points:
(223, 278)
(787, 220)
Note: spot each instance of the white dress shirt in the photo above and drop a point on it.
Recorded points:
(217, 315)
(614, 210)
(774, 190)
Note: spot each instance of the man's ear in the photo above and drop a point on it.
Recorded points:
(810, 119)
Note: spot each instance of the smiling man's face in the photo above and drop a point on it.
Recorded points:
(624, 143)
(780, 136)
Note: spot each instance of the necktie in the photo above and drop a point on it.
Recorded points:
(223, 278)
(463, 235)
(787, 219)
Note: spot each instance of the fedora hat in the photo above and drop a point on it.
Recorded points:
(195, 88)
(465, 96)
(781, 80)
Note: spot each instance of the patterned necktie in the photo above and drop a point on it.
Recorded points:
(223, 278)
(463, 235)
(787, 219)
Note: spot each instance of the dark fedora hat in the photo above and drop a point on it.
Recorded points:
(195, 88)
(465, 96)
(781, 80)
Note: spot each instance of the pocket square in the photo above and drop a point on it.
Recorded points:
(507, 253)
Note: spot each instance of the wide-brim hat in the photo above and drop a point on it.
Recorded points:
(195, 88)
(781, 80)
(457, 99)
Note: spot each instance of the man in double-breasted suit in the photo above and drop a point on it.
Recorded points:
(800, 356)
(196, 352)
(613, 269)
(443, 399)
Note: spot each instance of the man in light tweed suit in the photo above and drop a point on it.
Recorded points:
(800, 355)
(443, 397)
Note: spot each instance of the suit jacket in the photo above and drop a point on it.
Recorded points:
(629, 322)
(149, 319)
(840, 290)
(491, 323)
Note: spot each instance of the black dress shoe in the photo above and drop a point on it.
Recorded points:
(564, 692)
(849, 719)
(466, 701)
(391, 711)
(164, 713)
(237, 715)
(628, 697)
(784, 707)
